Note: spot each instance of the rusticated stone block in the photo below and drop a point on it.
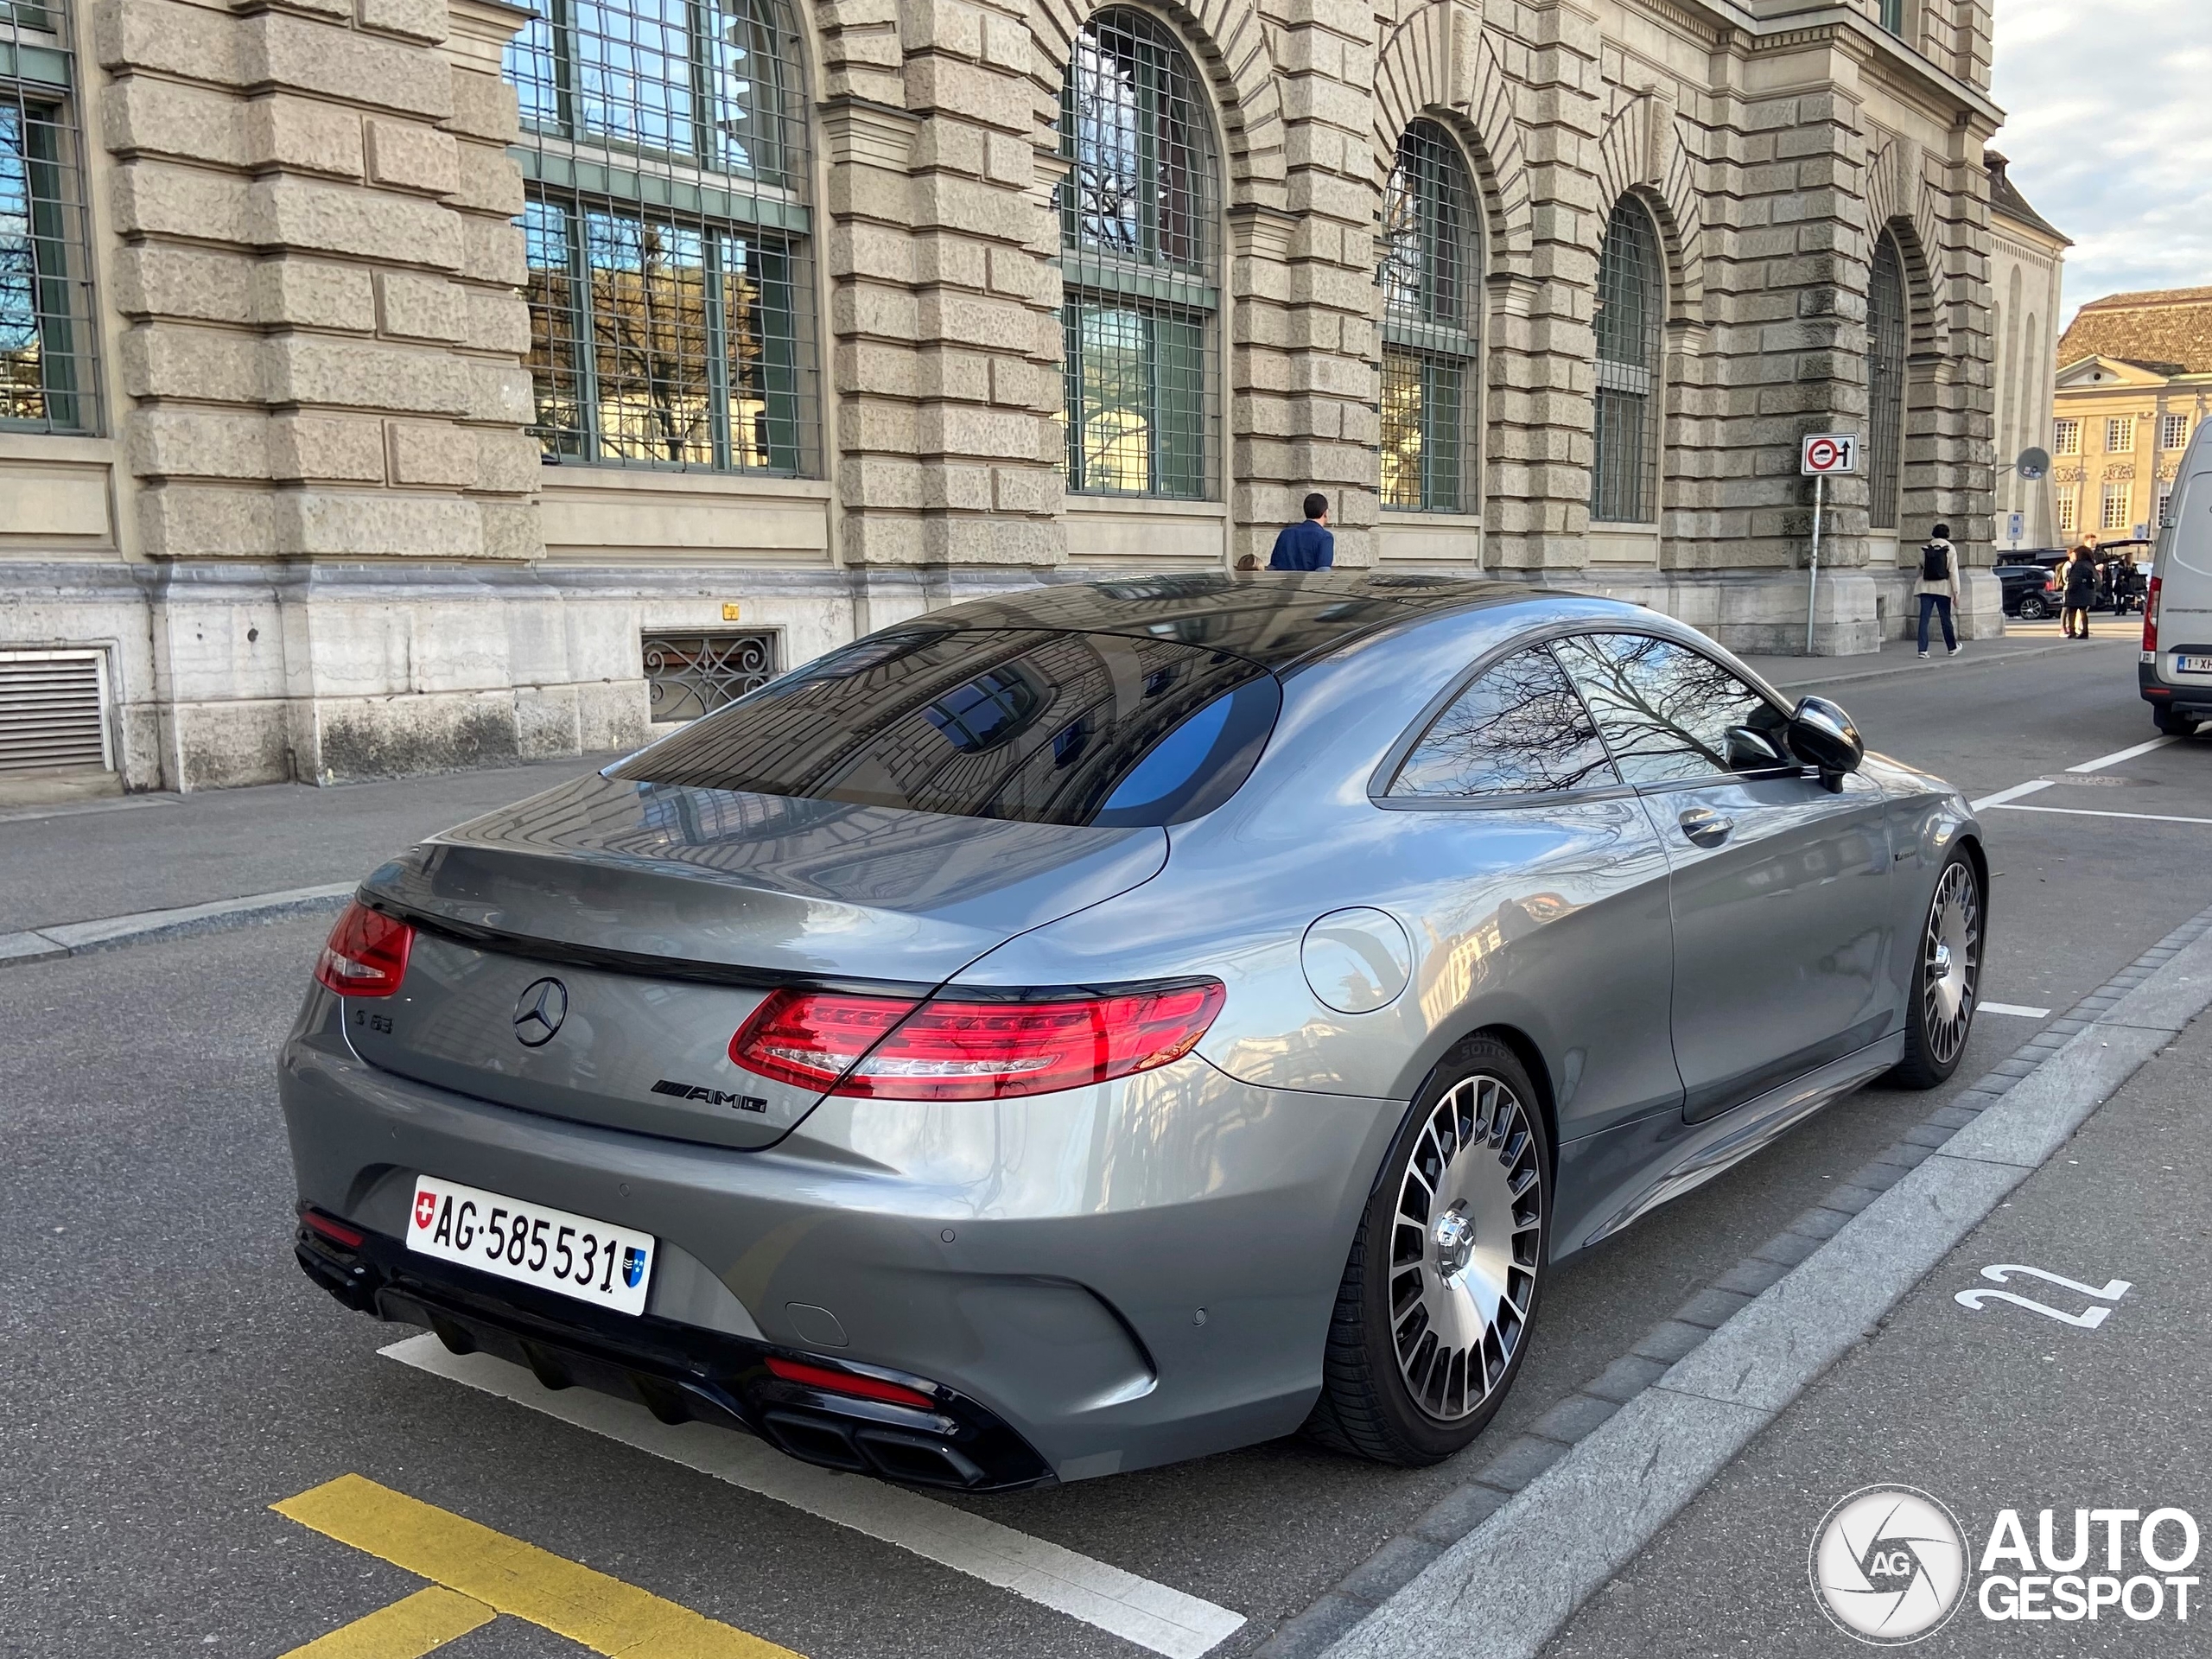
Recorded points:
(398, 230)
(413, 158)
(163, 279)
(496, 319)
(418, 19)
(490, 182)
(483, 106)
(206, 364)
(310, 294)
(304, 55)
(173, 38)
(430, 452)
(365, 374)
(166, 443)
(163, 117)
(377, 524)
(334, 447)
(179, 520)
(301, 135)
(410, 306)
(507, 462)
(159, 199)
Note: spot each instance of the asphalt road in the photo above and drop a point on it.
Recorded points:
(166, 1373)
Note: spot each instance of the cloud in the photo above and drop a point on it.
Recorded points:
(2109, 126)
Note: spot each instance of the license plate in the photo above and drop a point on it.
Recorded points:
(594, 1262)
(2192, 665)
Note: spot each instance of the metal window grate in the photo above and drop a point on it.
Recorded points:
(1631, 304)
(1885, 337)
(1138, 212)
(667, 233)
(48, 381)
(1430, 278)
(688, 675)
(54, 709)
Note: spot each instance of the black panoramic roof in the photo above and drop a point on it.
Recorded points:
(1271, 618)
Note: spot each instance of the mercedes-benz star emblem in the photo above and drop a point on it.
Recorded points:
(539, 1011)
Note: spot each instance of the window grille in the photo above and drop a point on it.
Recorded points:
(1885, 341)
(2119, 434)
(2112, 514)
(2066, 438)
(2173, 431)
(1431, 283)
(664, 160)
(2068, 513)
(1631, 305)
(688, 675)
(48, 381)
(1139, 233)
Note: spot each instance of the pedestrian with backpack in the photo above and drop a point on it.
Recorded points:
(1938, 587)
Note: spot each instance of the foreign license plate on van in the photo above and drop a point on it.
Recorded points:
(2192, 665)
(572, 1255)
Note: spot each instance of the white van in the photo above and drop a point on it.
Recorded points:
(2176, 670)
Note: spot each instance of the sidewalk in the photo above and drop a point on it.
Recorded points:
(77, 862)
(2003, 1408)
(2021, 639)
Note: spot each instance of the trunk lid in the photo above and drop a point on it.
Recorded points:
(589, 952)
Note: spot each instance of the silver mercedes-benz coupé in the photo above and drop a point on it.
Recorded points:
(1070, 1032)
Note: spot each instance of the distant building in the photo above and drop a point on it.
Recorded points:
(2027, 259)
(2135, 377)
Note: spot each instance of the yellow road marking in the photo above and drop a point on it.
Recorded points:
(420, 1624)
(504, 1574)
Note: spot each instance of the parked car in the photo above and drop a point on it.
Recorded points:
(2174, 672)
(2030, 591)
(1114, 1023)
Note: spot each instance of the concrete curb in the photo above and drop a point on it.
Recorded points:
(1538, 1540)
(76, 939)
(1970, 658)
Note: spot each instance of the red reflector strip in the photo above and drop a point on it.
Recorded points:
(336, 1232)
(365, 954)
(865, 1388)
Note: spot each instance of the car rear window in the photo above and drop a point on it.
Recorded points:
(1036, 725)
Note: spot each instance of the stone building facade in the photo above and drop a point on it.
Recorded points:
(2134, 382)
(394, 384)
(2027, 269)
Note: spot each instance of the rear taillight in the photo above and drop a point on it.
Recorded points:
(953, 1048)
(2151, 623)
(852, 1382)
(367, 953)
(336, 1232)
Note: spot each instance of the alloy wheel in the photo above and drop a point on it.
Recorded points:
(1951, 962)
(1463, 1247)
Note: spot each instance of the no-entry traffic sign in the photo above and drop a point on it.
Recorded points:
(1826, 453)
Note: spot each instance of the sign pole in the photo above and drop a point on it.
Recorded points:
(1813, 587)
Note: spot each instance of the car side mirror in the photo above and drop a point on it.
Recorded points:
(1748, 749)
(1823, 736)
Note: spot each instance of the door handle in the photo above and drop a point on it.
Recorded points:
(1703, 827)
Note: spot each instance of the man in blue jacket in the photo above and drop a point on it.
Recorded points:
(1308, 546)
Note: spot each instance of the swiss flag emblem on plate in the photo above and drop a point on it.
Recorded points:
(426, 1209)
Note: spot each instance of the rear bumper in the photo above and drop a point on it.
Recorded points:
(680, 1372)
(1120, 1276)
(2194, 700)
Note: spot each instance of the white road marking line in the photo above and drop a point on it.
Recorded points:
(2114, 759)
(2088, 812)
(2011, 794)
(2004, 797)
(2013, 1008)
(1166, 1621)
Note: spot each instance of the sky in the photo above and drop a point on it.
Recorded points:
(2108, 128)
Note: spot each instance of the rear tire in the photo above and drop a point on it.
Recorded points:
(2171, 722)
(2033, 609)
(1945, 978)
(1438, 1298)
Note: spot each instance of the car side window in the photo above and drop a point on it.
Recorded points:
(1518, 729)
(1669, 713)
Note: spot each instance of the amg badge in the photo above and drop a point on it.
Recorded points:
(711, 1097)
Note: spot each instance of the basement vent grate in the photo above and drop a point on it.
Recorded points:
(54, 709)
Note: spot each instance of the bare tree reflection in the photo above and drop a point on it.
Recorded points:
(1665, 711)
(1518, 729)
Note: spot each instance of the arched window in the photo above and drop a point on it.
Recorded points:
(664, 165)
(1886, 326)
(1138, 231)
(1631, 304)
(1431, 281)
